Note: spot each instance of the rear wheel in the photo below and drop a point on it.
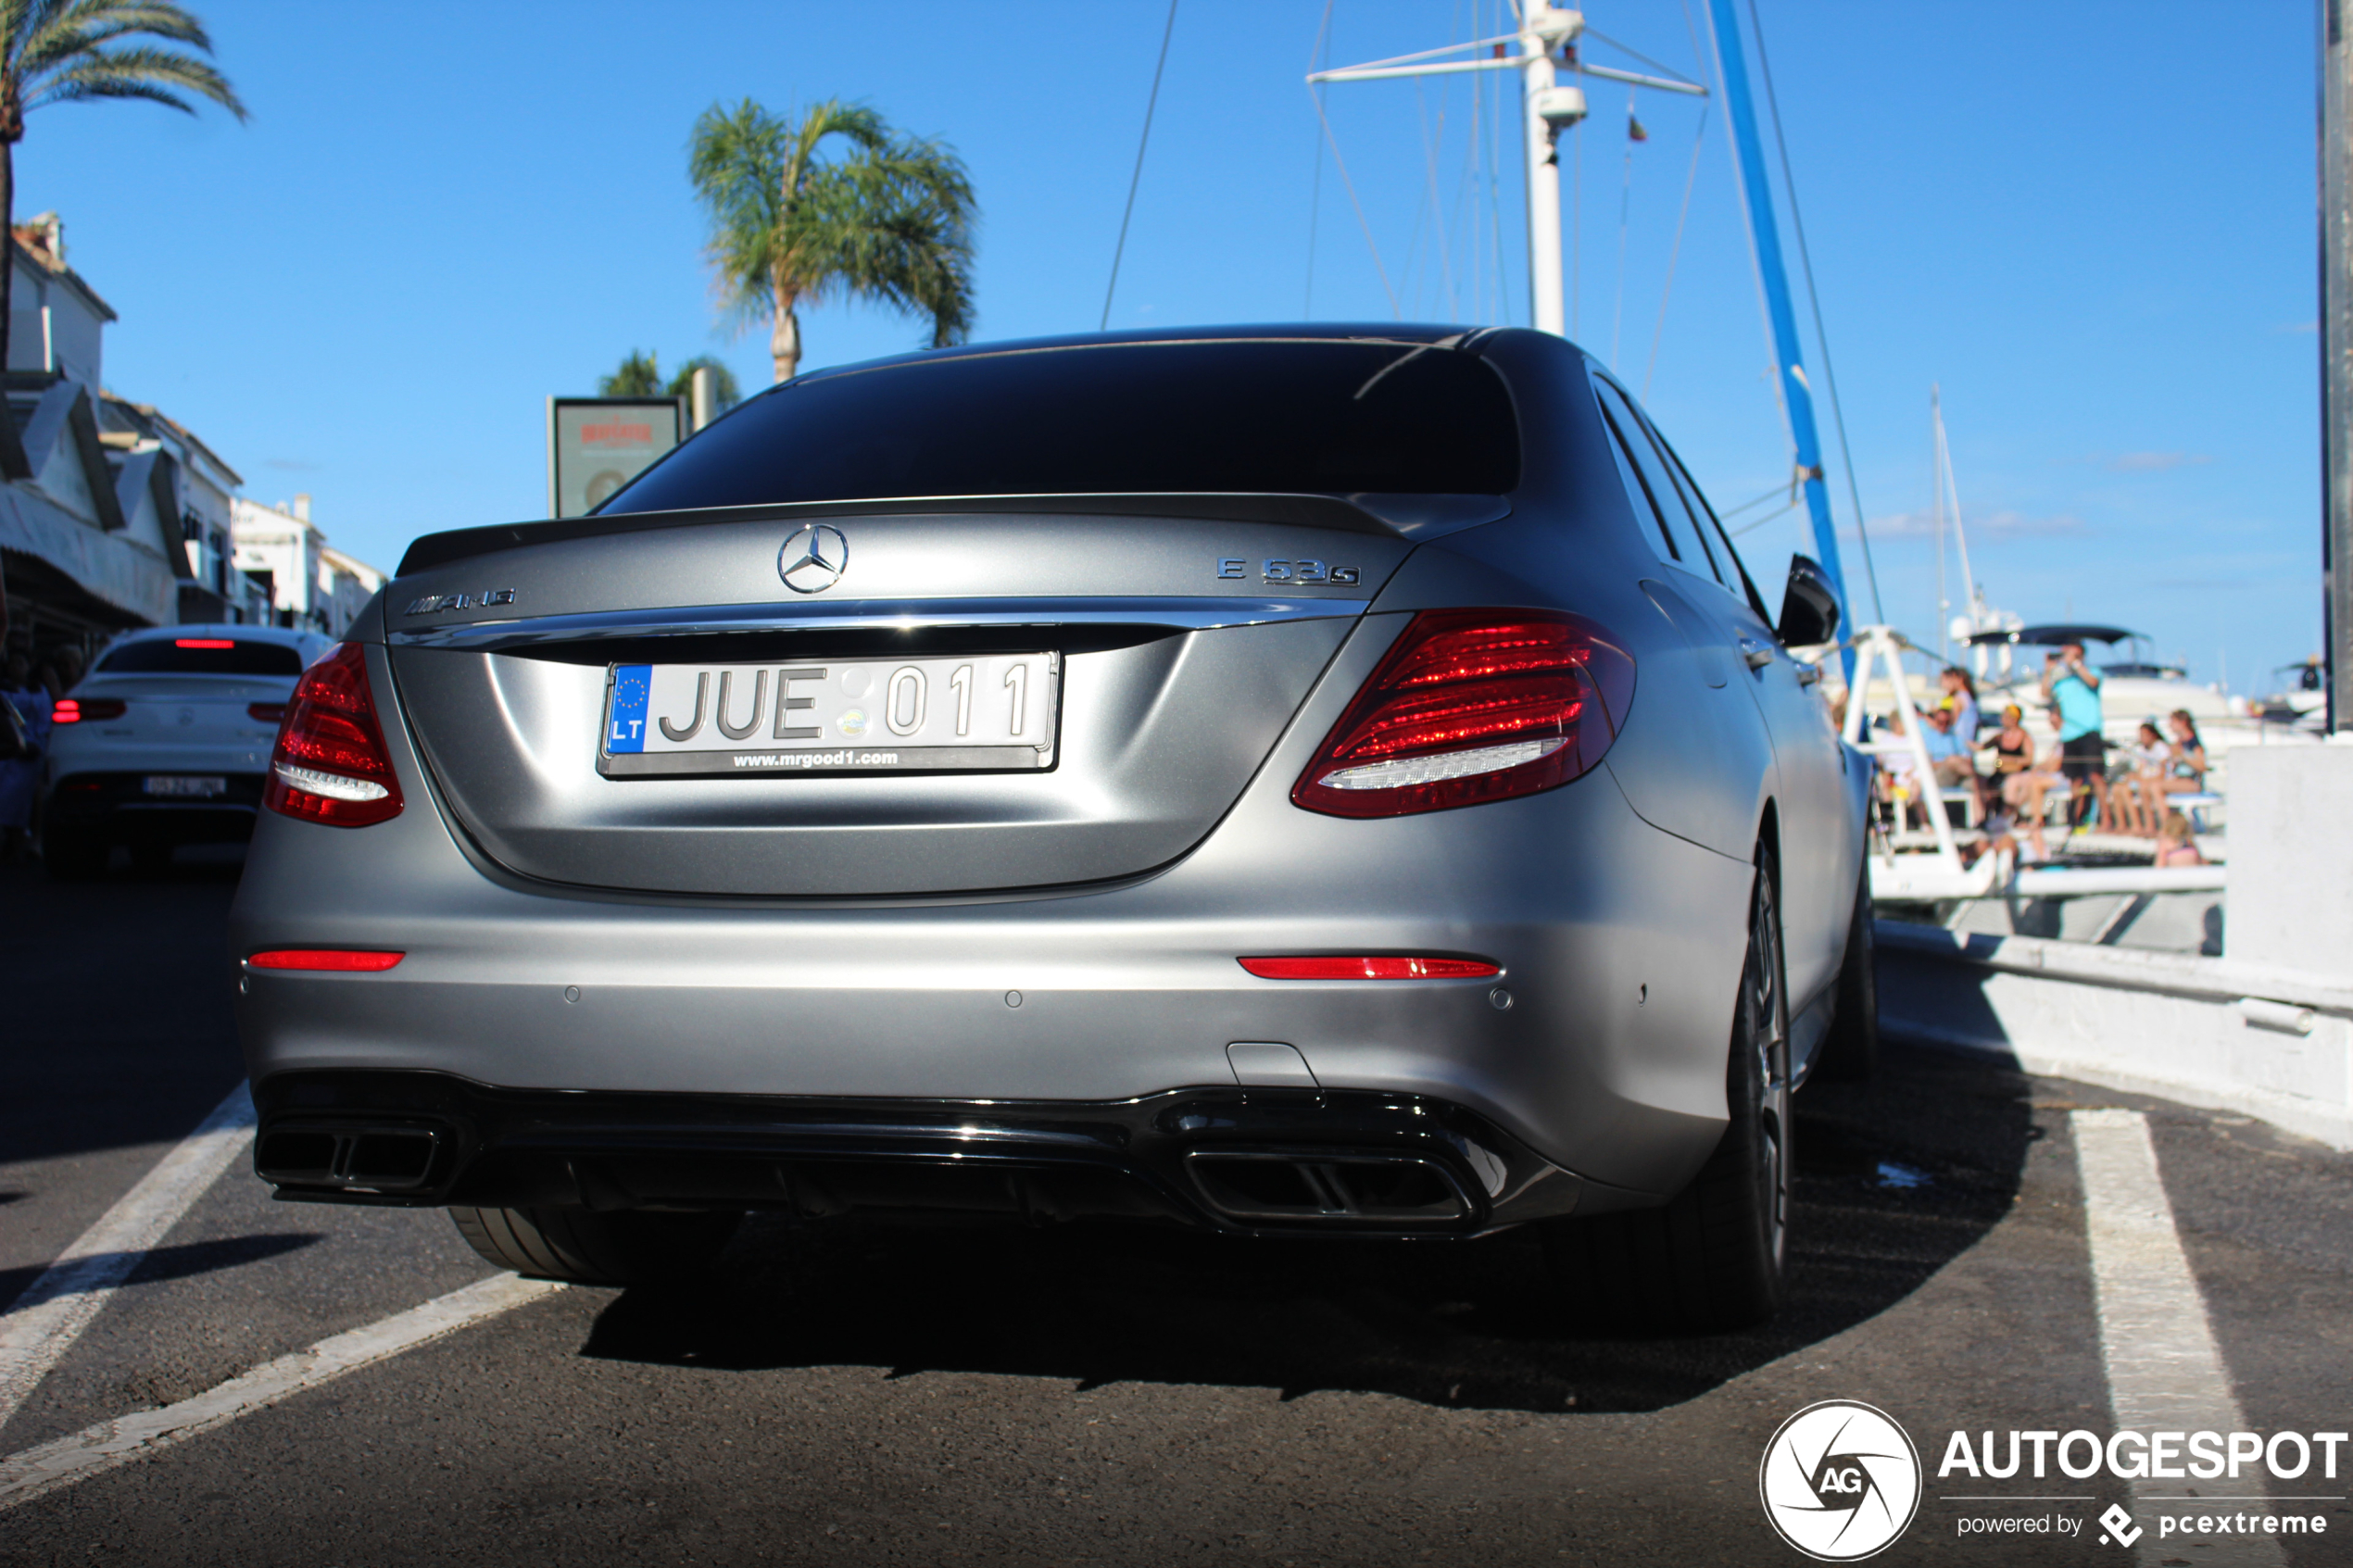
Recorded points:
(631, 1247)
(1850, 1051)
(1715, 1256)
(72, 857)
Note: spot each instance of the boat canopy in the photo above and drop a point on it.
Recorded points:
(2056, 636)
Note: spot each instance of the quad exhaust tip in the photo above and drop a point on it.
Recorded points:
(363, 1158)
(1329, 1188)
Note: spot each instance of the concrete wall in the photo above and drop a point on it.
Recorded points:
(2222, 1033)
(2290, 887)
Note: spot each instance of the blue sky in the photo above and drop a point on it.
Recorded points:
(2092, 224)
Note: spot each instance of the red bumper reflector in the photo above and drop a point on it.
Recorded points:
(1370, 968)
(340, 960)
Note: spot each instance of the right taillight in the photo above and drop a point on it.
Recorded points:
(329, 764)
(1471, 706)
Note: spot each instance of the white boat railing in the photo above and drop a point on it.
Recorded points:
(1900, 872)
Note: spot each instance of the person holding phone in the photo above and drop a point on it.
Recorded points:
(2070, 687)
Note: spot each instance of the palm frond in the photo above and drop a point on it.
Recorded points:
(135, 71)
(737, 161)
(78, 25)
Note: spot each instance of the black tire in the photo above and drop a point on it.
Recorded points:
(72, 857)
(631, 1247)
(1715, 1258)
(1850, 1051)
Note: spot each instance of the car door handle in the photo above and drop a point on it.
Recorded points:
(1759, 654)
(1808, 673)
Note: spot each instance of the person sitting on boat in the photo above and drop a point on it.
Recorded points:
(2069, 686)
(2026, 786)
(2185, 765)
(2134, 798)
(1961, 692)
(1948, 755)
(2177, 844)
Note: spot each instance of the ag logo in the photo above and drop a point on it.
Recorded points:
(1840, 1480)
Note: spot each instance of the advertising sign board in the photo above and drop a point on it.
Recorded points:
(597, 444)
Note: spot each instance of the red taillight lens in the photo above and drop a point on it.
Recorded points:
(203, 643)
(339, 960)
(330, 765)
(76, 710)
(268, 712)
(1470, 706)
(1370, 968)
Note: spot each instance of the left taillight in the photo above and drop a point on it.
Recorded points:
(1471, 706)
(88, 710)
(329, 764)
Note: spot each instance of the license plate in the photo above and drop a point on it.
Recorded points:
(182, 784)
(979, 713)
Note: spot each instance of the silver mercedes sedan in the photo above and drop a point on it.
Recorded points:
(1284, 781)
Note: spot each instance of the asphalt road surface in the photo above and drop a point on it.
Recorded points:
(1083, 1395)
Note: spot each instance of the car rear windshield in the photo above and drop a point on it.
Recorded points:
(1331, 418)
(201, 655)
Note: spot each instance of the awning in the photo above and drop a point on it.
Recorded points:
(109, 567)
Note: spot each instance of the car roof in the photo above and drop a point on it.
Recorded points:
(1413, 333)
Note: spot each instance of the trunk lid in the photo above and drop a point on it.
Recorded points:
(1184, 632)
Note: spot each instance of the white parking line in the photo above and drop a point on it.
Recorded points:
(2164, 1370)
(43, 1323)
(26, 1475)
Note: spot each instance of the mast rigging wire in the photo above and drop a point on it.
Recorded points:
(1625, 210)
(1667, 290)
(1814, 300)
(1137, 178)
(1350, 185)
(1315, 189)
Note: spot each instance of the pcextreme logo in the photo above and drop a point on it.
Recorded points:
(1840, 1480)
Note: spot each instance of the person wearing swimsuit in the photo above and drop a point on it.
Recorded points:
(2022, 784)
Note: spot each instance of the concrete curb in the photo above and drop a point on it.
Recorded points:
(2219, 1033)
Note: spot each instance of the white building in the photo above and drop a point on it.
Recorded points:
(311, 583)
(160, 465)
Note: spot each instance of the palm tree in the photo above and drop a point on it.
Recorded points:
(73, 50)
(890, 221)
(640, 376)
(724, 393)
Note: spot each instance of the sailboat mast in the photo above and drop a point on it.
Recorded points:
(1797, 394)
(1936, 510)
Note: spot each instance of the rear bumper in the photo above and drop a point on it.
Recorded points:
(1620, 948)
(1255, 1161)
(116, 806)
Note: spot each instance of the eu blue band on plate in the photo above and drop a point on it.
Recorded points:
(632, 691)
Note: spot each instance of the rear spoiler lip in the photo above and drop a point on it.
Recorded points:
(1393, 516)
(1202, 613)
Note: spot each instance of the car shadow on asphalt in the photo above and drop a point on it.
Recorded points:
(182, 1261)
(1896, 1180)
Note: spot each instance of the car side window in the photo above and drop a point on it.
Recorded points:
(1685, 548)
(1713, 528)
(1638, 493)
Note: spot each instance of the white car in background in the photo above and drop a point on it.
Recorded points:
(167, 742)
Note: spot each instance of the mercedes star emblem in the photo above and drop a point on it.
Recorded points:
(814, 558)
